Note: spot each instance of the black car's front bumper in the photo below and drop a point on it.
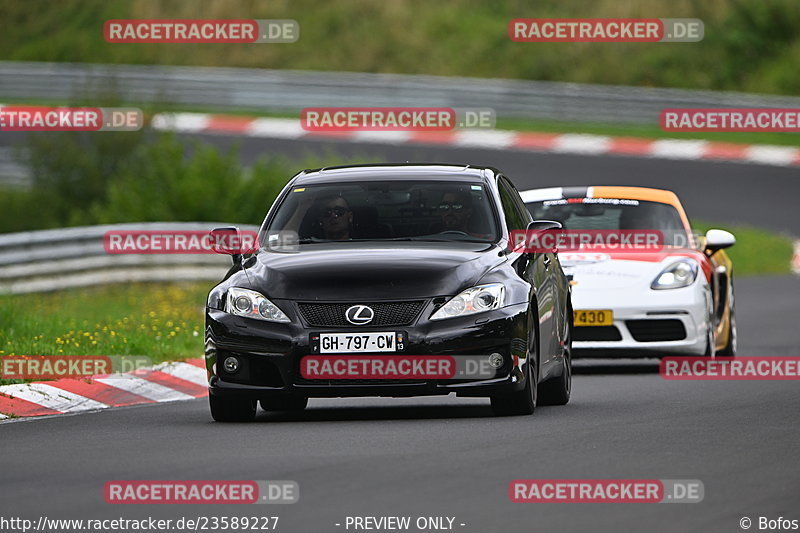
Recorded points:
(269, 354)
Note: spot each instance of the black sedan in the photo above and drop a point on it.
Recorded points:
(390, 280)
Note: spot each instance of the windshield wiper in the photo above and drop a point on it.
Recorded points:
(315, 240)
(433, 239)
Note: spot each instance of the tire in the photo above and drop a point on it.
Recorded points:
(711, 346)
(521, 402)
(289, 403)
(730, 348)
(224, 409)
(556, 391)
(711, 349)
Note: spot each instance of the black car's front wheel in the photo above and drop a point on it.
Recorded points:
(556, 391)
(231, 409)
(522, 402)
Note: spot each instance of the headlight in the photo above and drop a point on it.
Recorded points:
(473, 300)
(679, 274)
(244, 302)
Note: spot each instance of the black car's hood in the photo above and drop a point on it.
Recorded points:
(369, 270)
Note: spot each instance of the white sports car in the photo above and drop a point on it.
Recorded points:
(678, 300)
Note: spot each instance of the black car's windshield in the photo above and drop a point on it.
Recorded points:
(387, 210)
(613, 214)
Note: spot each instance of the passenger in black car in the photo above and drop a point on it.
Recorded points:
(455, 208)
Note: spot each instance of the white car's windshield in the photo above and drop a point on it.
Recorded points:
(613, 214)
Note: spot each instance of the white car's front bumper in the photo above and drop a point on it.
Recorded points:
(639, 327)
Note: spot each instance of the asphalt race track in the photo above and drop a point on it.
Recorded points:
(450, 457)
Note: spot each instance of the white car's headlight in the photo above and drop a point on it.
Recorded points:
(473, 300)
(679, 274)
(244, 302)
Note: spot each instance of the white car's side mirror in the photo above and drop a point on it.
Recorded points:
(717, 239)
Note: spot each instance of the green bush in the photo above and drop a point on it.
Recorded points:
(21, 210)
(102, 178)
(72, 171)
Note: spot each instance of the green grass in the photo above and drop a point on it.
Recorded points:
(749, 45)
(756, 251)
(160, 321)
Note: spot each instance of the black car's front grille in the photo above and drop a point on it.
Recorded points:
(656, 330)
(596, 333)
(328, 315)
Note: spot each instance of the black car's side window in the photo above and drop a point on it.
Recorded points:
(516, 218)
(522, 209)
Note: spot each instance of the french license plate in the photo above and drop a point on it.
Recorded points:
(371, 342)
(593, 317)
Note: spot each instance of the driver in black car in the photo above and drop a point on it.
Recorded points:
(335, 218)
(455, 208)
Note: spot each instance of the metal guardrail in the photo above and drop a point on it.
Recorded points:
(289, 90)
(48, 260)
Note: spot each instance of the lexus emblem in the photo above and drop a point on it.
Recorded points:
(359, 315)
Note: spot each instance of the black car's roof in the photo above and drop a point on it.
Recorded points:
(389, 171)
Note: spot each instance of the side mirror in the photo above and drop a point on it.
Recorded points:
(544, 225)
(717, 239)
(227, 241)
(526, 239)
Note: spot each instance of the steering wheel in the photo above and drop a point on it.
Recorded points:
(454, 232)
